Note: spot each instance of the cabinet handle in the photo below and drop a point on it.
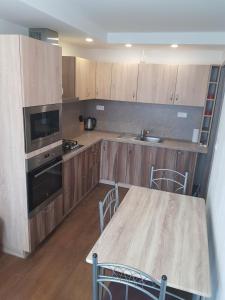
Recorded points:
(177, 97)
(171, 98)
(133, 95)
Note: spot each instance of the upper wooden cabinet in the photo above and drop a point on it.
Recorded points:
(156, 83)
(191, 86)
(124, 82)
(68, 77)
(85, 78)
(171, 84)
(103, 80)
(41, 69)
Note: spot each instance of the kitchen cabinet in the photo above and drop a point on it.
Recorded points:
(45, 221)
(124, 82)
(156, 83)
(103, 80)
(68, 77)
(171, 84)
(41, 70)
(191, 85)
(80, 175)
(131, 163)
(85, 78)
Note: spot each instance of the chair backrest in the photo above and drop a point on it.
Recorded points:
(169, 180)
(105, 274)
(108, 206)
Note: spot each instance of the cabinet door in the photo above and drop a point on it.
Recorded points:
(134, 164)
(103, 80)
(122, 156)
(53, 214)
(37, 229)
(68, 185)
(45, 221)
(41, 67)
(156, 83)
(124, 82)
(109, 156)
(191, 85)
(85, 78)
(68, 77)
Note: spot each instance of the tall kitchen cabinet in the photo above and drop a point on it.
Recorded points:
(171, 84)
(22, 84)
(124, 82)
(85, 78)
(41, 67)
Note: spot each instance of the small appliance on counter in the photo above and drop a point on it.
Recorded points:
(70, 145)
(90, 123)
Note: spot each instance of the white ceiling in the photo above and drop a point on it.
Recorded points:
(142, 22)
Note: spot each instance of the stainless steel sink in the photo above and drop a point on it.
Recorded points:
(151, 139)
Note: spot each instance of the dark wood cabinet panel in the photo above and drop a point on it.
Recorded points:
(80, 175)
(68, 77)
(134, 164)
(45, 221)
(109, 155)
(131, 163)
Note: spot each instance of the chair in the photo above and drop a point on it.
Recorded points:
(175, 181)
(116, 281)
(108, 206)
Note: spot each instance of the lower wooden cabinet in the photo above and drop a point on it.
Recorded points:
(131, 163)
(80, 175)
(45, 221)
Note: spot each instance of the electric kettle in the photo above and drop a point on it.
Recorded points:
(89, 123)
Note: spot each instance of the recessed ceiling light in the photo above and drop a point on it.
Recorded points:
(128, 45)
(174, 46)
(89, 40)
(53, 38)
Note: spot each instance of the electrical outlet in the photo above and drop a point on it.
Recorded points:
(182, 115)
(100, 107)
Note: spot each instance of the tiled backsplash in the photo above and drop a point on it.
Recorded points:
(129, 117)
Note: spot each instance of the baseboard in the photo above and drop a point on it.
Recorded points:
(14, 252)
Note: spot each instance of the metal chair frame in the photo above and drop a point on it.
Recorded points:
(127, 276)
(108, 206)
(154, 181)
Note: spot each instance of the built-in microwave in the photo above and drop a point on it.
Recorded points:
(42, 125)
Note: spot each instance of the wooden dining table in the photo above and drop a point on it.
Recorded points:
(160, 233)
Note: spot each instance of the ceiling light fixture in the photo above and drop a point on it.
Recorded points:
(174, 46)
(53, 38)
(89, 40)
(128, 45)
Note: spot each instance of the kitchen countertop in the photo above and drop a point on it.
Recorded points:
(89, 138)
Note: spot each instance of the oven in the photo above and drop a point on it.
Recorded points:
(42, 126)
(44, 179)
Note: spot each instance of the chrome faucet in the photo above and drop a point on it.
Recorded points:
(143, 134)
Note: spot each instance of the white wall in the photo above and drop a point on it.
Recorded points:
(182, 55)
(11, 28)
(216, 214)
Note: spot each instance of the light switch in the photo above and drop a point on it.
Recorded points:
(100, 107)
(182, 115)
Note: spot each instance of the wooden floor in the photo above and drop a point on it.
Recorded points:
(57, 270)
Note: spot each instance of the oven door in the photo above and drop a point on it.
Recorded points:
(42, 126)
(44, 184)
